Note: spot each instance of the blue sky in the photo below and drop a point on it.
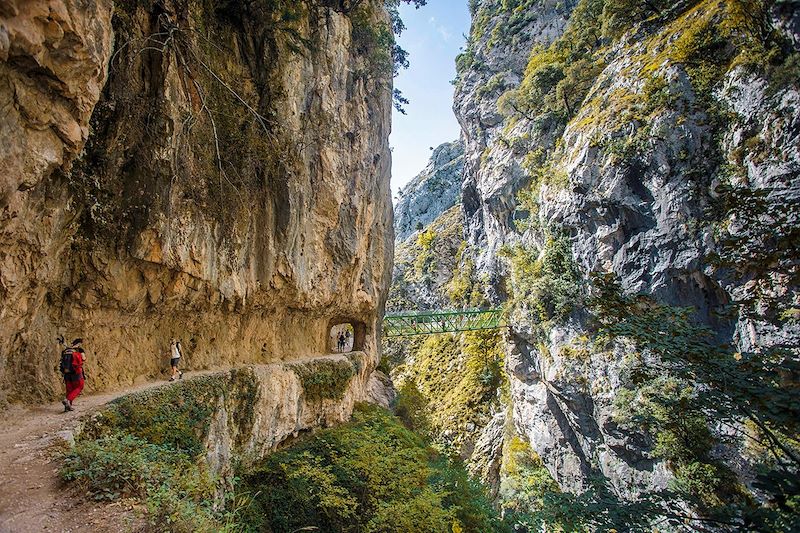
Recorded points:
(434, 33)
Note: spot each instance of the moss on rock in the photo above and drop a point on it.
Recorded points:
(325, 379)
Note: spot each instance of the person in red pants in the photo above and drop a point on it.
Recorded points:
(72, 368)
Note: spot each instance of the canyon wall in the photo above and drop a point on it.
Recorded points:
(617, 161)
(213, 172)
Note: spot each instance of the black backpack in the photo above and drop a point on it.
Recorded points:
(66, 361)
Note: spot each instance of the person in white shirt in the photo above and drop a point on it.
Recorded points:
(175, 358)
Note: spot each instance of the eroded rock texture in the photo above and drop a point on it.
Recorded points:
(432, 192)
(631, 182)
(233, 189)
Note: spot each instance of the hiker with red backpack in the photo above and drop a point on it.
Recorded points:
(71, 367)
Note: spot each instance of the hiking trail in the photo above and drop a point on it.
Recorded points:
(32, 496)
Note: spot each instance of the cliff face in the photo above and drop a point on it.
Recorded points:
(231, 187)
(501, 38)
(432, 192)
(621, 164)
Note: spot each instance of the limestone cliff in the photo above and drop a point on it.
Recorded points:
(216, 172)
(432, 192)
(611, 161)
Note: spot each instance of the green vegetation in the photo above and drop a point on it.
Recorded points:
(375, 41)
(370, 475)
(546, 285)
(678, 383)
(524, 480)
(559, 76)
(428, 260)
(425, 257)
(449, 383)
(177, 416)
(465, 291)
(149, 445)
(177, 490)
(324, 379)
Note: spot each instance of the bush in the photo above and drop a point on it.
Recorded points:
(548, 284)
(177, 490)
(150, 446)
(176, 417)
(524, 479)
(371, 474)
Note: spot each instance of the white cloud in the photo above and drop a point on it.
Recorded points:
(440, 29)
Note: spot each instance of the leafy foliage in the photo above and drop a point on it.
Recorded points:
(558, 76)
(149, 445)
(681, 381)
(524, 481)
(376, 41)
(370, 475)
(547, 284)
(757, 241)
(177, 416)
(412, 407)
(458, 377)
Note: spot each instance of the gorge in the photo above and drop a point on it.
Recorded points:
(626, 187)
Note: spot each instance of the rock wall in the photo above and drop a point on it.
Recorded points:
(630, 184)
(231, 187)
(282, 409)
(432, 192)
(426, 264)
(239, 416)
(501, 38)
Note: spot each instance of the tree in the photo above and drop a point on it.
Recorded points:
(681, 381)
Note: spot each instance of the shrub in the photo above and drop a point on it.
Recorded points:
(150, 445)
(371, 474)
(176, 489)
(177, 416)
(524, 479)
(547, 283)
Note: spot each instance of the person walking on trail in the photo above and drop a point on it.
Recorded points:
(175, 358)
(71, 368)
(341, 342)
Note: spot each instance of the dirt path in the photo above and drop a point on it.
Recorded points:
(31, 497)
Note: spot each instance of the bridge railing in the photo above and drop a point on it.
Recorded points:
(429, 322)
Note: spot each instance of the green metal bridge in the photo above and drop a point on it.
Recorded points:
(426, 323)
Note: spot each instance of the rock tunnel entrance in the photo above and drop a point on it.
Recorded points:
(346, 336)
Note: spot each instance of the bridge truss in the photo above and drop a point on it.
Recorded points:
(426, 323)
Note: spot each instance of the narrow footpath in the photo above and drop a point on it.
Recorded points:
(32, 498)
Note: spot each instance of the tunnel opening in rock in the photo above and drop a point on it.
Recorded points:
(346, 336)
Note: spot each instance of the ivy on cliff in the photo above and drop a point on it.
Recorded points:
(546, 283)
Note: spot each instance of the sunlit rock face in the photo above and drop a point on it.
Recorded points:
(432, 192)
(495, 63)
(174, 171)
(632, 196)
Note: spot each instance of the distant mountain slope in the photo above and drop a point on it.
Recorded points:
(432, 192)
